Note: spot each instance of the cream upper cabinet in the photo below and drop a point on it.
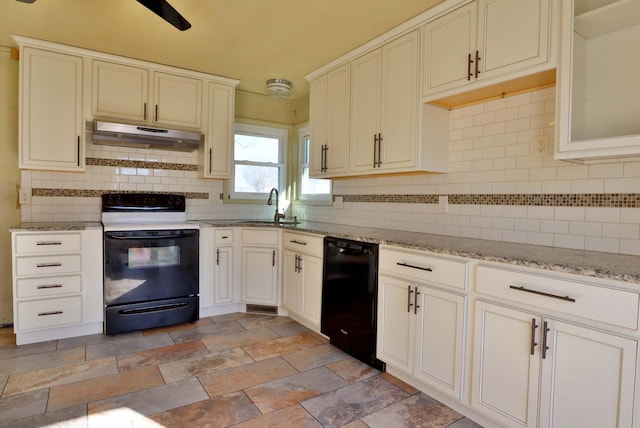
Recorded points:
(598, 107)
(482, 41)
(51, 128)
(140, 94)
(384, 104)
(216, 158)
(329, 121)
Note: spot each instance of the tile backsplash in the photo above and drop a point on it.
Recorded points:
(501, 185)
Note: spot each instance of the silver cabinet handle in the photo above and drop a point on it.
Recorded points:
(542, 293)
(49, 243)
(41, 265)
(45, 286)
(293, 241)
(44, 314)
(217, 256)
(210, 158)
(415, 305)
(428, 269)
(273, 258)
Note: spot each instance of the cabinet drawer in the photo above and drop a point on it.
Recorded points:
(582, 299)
(424, 268)
(311, 244)
(48, 286)
(49, 313)
(47, 243)
(260, 236)
(47, 265)
(223, 236)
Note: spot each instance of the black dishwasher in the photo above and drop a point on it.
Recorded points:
(349, 298)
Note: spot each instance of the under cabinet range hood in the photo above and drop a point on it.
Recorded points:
(145, 137)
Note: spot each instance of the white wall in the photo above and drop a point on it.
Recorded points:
(492, 151)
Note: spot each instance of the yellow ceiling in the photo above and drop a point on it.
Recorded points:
(250, 40)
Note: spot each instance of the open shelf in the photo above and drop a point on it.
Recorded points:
(609, 17)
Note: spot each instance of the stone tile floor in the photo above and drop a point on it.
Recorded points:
(241, 370)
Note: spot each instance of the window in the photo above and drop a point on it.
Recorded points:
(310, 189)
(258, 161)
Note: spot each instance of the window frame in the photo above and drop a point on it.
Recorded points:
(282, 135)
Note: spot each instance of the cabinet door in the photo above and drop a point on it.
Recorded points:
(177, 100)
(448, 41)
(223, 275)
(51, 111)
(396, 329)
(588, 378)
(440, 340)
(291, 281)
(512, 34)
(219, 132)
(119, 91)
(260, 275)
(329, 121)
(311, 272)
(505, 373)
(399, 103)
(366, 83)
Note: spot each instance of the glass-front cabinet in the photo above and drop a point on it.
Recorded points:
(598, 80)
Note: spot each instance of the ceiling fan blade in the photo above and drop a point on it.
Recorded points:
(164, 10)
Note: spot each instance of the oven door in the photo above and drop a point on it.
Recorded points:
(147, 265)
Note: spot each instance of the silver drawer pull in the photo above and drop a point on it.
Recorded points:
(41, 287)
(45, 314)
(542, 293)
(49, 243)
(293, 241)
(41, 265)
(428, 269)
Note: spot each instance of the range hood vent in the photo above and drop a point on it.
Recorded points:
(145, 137)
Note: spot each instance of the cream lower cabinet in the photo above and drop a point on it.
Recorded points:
(57, 284)
(302, 276)
(260, 266)
(534, 369)
(577, 376)
(421, 332)
(223, 267)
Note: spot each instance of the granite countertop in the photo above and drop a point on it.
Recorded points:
(55, 226)
(619, 267)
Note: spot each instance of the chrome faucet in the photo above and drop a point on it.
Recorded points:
(277, 216)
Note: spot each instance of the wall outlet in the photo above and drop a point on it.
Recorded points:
(541, 143)
(443, 204)
(25, 196)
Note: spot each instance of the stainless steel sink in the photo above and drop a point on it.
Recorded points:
(280, 223)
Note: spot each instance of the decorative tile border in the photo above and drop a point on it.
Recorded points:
(124, 163)
(84, 193)
(610, 200)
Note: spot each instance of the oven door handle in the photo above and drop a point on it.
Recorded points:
(156, 308)
(183, 234)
